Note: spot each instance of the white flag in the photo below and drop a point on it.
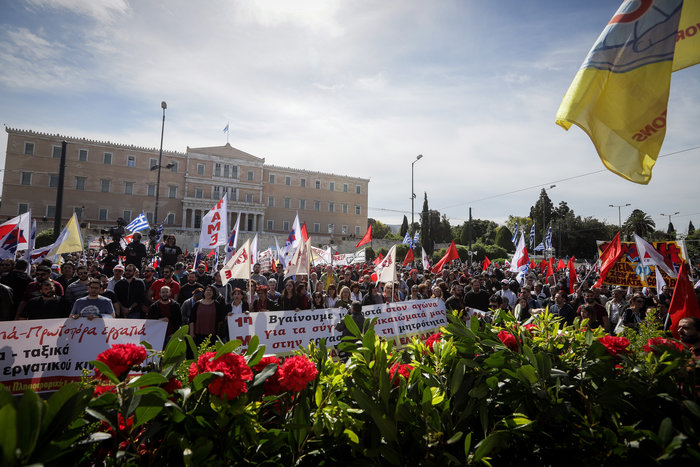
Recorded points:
(648, 256)
(520, 261)
(387, 268)
(233, 239)
(254, 250)
(298, 264)
(426, 261)
(238, 267)
(215, 226)
(293, 241)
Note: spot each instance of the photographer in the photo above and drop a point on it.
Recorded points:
(113, 249)
(135, 251)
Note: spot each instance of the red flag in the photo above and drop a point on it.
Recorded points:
(304, 233)
(450, 255)
(572, 275)
(561, 265)
(543, 265)
(366, 239)
(378, 259)
(611, 254)
(550, 267)
(683, 303)
(409, 257)
(532, 264)
(273, 267)
(211, 253)
(487, 263)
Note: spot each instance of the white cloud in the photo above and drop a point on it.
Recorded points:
(101, 10)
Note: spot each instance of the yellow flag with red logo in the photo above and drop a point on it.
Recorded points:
(620, 94)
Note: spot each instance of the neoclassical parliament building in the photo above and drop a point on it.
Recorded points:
(104, 181)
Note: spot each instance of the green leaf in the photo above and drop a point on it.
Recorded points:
(253, 345)
(29, 423)
(352, 436)
(147, 408)
(202, 380)
(467, 444)
(8, 433)
(666, 430)
(351, 325)
(228, 347)
(268, 371)
(438, 396)
(494, 441)
(496, 359)
(458, 376)
(456, 437)
(174, 352)
(480, 391)
(148, 379)
(692, 407)
(527, 374)
(318, 396)
(106, 371)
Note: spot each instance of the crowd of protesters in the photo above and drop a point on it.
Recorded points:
(129, 285)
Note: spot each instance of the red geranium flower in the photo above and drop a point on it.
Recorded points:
(235, 373)
(120, 358)
(614, 345)
(264, 362)
(433, 339)
(402, 369)
(663, 341)
(99, 390)
(508, 340)
(532, 327)
(172, 385)
(296, 372)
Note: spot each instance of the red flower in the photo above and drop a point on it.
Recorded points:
(508, 340)
(120, 358)
(264, 362)
(172, 385)
(99, 390)
(235, 373)
(432, 340)
(614, 345)
(403, 370)
(654, 341)
(296, 372)
(532, 327)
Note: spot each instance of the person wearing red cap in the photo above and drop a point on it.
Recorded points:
(412, 278)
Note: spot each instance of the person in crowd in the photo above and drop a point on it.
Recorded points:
(167, 279)
(495, 302)
(17, 280)
(372, 297)
(188, 287)
(317, 301)
(303, 299)
(180, 273)
(477, 298)
(344, 300)
(329, 277)
(67, 274)
(689, 333)
(522, 311)
(225, 290)
(355, 292)
(94, 305)
(78, 288)
(135, 252)
(633, 315)
(203, 277)
(186, 307)
(261, 302)
(208, 316)
(118, 273)
(169, 252)
(616, 306)
(239, 304)
(593, 311)
(272, 294)
(346, 281)
(166, 310)
(331, 296)
(563, 309)
(46, 306)
(414, 294)
(43, 273)
(257, 277)
(455, 301)
(437, 293)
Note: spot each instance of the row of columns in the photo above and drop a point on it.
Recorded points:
(250, 221)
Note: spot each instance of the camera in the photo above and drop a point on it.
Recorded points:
(116, 232)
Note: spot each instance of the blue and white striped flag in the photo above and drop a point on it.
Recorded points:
(532, 236)
(226, 128)
(415, 238)
(159, 230)
(548, 239)
(139, 223)
(515, 234)
(406, 239)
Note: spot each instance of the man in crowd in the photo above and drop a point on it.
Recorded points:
(616, 306)
(477, 298)
(507, 294)
(594, 311)
(189, 287)
(46, 306)
(43, 273)
(131, 294)
(67, 275)
(94, 305)
(79, 288)
(135, 252)
(167, 279)
(257, 277)
(202, 276)
(166, 310)
(455, 302)
(329, 277)
(562, 309)
(118, 272)
(689, 332)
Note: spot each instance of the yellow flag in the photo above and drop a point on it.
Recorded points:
(620, 94)
(70, 239)
(688, 39)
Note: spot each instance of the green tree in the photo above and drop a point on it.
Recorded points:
(541, 212)
(503, 236)
(404, 227)
(691, 228)
(379, 229)
(370, 255)
(45, 238)
(426, 238)
(671, 232)
(640, 223)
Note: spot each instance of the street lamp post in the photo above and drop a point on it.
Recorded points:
(413, 195)
(544, 225)
(669, 216)
(619, 212)
(163, 106)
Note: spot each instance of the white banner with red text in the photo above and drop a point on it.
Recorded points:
(44, 355)
(282, 332)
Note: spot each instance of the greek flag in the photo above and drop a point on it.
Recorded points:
(539, 247)
(548, 239)
(406, 239)
(226, 128)
(532, 235)
(139, 223)
(415, 237)
(515, 233)
(159, 230)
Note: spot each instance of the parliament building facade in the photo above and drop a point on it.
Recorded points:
(104, 181)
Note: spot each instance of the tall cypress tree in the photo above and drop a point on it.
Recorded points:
(404, 226)
(691, 228)
(426, 237)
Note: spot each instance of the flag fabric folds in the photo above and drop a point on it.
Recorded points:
(450, 255)
(548, 239)
(487, 263)
(70, 238)
(138, 223)
(367, 237)
(619, 96)
(298, 264)
(233, 239)
(425, 259)
(532, 236)
(406, 239)
(215, 225)
(416, 237)
(683, 302)
(409, 257)
(387, 267)
(515, 234)
(520, 261)
(611, 254)
(572, 274)
(650, 257)
(238, 267)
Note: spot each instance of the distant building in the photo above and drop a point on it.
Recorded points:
(104, 181)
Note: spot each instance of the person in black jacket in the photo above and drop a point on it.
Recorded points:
(167, 310)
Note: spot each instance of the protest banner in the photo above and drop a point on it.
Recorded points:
(628, 271)
(282, 332)
(44, 355)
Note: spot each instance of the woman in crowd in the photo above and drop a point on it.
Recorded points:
(345, 300)
(208, 317)
(261, 301)
(331, 297)
(373, 297)
(522, 309)
(288, 297)
(317, 301)
(355, 292)
(437, 293)
(303, 299)
(415, 295)
(239, 304)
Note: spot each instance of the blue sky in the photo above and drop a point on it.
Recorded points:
(356, 87)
